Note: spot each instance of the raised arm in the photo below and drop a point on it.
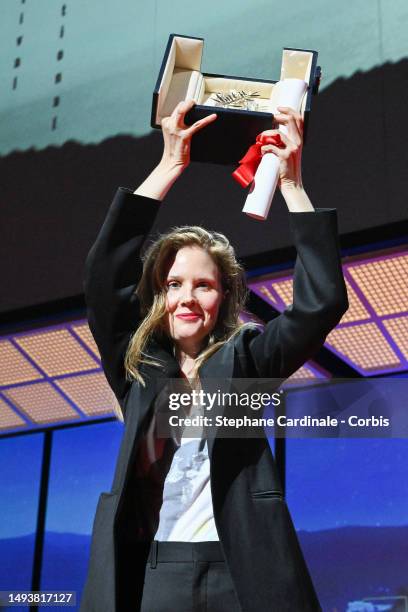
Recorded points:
(319, 291)
(113, 267)
(319, 299)
(112, 272)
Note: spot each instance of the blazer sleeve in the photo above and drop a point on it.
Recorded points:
(113, 269)
(319, 299)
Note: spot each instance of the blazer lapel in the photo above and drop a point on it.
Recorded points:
(140, 400)
(156, 377)
(216, 376)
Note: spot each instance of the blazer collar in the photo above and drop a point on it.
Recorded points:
(215, 375)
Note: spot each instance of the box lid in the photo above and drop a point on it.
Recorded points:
(301, 64)
(182, 59)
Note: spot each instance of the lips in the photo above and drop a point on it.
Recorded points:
(189, 316)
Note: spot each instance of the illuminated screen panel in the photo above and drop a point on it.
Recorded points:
(56, 352)
(84, 333)
(309, 371)
(398, 330)
(20, 473)
(76, 481)
(284, 289)
(265, 292)
(372, 335)
(383, 281)
(350, 510)
(9, 419)
(41, 403)
(90, 392)
(51, 376)
(15, 368)
(363, 345)
(348, 498)
(356, 310)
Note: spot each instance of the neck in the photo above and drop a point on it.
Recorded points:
(187, 353)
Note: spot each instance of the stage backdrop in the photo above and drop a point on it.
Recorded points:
(77, 80)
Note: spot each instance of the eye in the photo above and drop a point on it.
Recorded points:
(204, 284)
(173, 284)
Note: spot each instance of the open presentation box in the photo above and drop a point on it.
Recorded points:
(244, 105)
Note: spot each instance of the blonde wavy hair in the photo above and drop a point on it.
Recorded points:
(151, 292)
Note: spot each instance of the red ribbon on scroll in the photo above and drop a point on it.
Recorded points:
(244, 174)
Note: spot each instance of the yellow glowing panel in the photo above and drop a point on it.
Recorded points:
(356, 310)
(90, 392)
(14, 367)
(8, 418)
(398, 330)
(41, 403)
(268, 295)
(384, 283)
(85, 334)
(302, 373)
(364, 345)
(285, 290)
(57, 352)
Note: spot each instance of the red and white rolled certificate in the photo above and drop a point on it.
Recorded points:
(288, 92)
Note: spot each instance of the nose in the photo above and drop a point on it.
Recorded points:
(187, 296)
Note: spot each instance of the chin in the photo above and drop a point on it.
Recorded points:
(192, 337)
(198, 337)
(190, 333)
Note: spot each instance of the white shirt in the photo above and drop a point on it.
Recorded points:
(176, 490)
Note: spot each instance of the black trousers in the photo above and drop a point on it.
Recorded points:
(188, 577)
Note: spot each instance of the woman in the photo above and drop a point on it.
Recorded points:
(169, 537)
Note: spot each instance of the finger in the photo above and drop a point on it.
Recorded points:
(288, 142)
(284, 118)
(180, 111)
(165, 122)
(294, 130)
(281, 153)
(199, 125)
(272, 149)
(285, 141)
(282, 136)
(287, 112)
(270, 132)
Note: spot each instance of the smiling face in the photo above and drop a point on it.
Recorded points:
(193, 297)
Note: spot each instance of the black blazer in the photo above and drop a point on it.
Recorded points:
(252, 519)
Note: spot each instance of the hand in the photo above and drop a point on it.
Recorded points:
(176, 152)
(177, 135)
(290, 151)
